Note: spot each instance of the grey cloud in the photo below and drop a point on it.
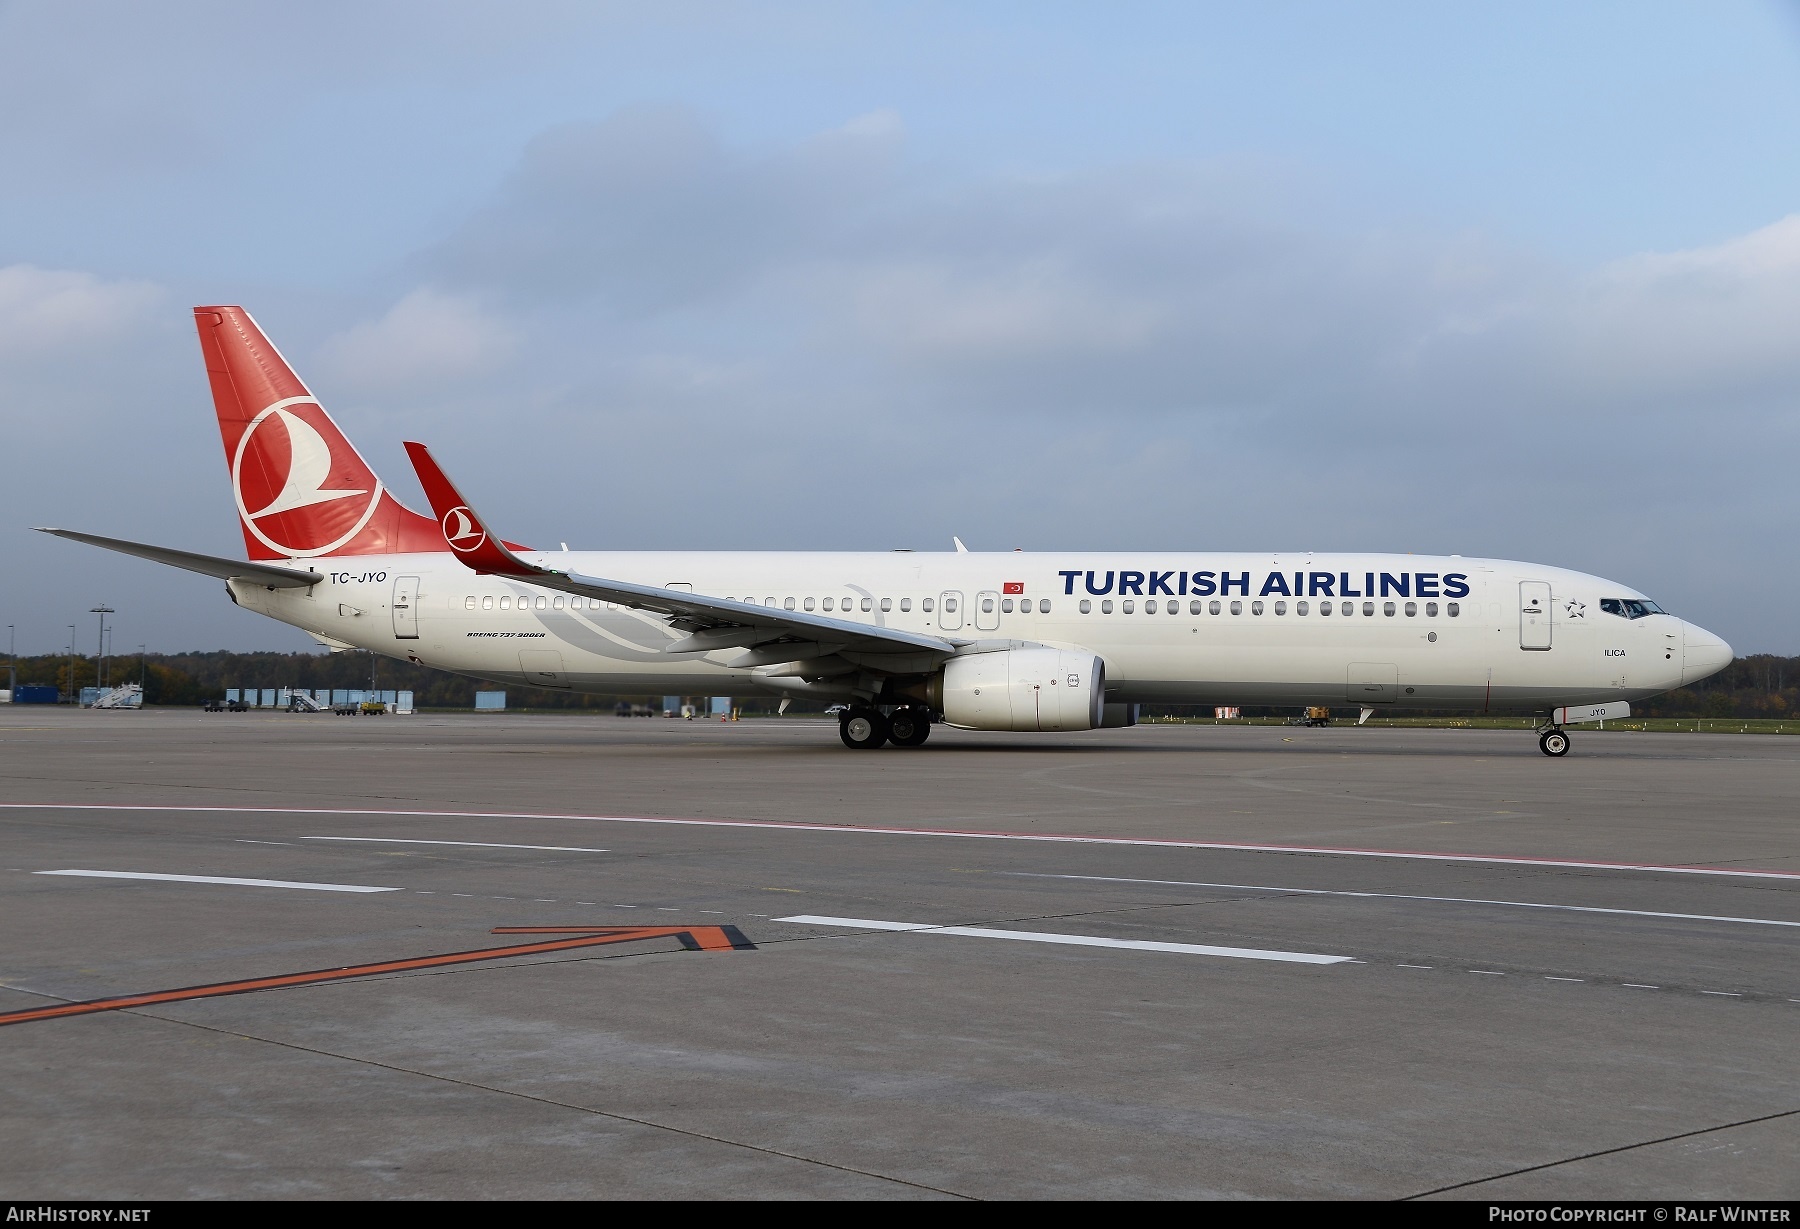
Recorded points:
(659, 340)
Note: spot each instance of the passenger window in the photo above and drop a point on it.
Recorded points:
(1006, 605)
(1174, 607)
(1349, 608)
(1452, 609)
(1214, 608)
(1299, 608)
(950, 605)
(1324, 608)
(1256, 607)
(543, 603)
(1431, 610)
(1280, 608)
(506, 603)
(1043, 605)
(1106, 606)
(1196, 606)
(887, 604)
(1369, 610)
(558, 603)
(807, 604)
(925, 605)
(487, 603)
(1150, 606)
(1387, 608)
(769, 603)
(905, 604)
(1412, 609)
(1086, 606)
(987, 605)
(867, 604)
(1127, 606)
(1237, 608)
(469, 603)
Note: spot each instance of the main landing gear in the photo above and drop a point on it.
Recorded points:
(865, 729)
(1554, 742)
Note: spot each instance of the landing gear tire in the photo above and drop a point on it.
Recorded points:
(863, 729)
(909, 727)
(1554, 743)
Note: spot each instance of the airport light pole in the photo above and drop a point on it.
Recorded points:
(12, 659)
(100, 649)
(143, 668)
(74, 694)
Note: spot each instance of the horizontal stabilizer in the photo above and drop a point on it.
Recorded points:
(206, 565)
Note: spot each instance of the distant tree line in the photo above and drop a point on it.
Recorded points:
(1762, 685)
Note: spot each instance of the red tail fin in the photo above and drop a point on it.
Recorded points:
(301, 487)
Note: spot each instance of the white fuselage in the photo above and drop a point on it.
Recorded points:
(1410, 630)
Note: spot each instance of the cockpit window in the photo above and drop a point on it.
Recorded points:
(1630, 607)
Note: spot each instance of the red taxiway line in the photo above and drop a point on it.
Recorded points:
(694, 938)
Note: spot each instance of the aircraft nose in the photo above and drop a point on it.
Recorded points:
(1702, 653)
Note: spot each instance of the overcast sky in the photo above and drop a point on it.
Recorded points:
(1512, 280)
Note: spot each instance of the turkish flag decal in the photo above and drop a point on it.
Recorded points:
(1013, 586)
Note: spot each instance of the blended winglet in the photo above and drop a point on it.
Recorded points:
(464, 531)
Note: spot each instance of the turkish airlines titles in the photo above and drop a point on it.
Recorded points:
(1175, 583)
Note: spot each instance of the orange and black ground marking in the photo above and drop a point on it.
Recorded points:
(694, 938)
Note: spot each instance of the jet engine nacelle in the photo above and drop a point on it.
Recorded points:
(1024, 689)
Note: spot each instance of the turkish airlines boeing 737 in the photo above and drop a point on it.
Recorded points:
(1055, 641)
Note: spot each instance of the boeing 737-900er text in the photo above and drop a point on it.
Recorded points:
(1067, 640)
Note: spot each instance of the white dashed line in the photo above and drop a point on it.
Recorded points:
(1487, 972)
(219, 879)
(400, 840)
(1634, 985)
(1032, 936)
(1724, 994)
(1414, 966)
(1444, 900)
(1549, 978)
(952, 833)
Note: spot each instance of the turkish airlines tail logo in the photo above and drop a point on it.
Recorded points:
(300, 486)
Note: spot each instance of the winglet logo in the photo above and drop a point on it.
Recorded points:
(285, 464)
(462, 531)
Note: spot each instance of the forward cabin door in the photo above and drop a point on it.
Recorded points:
(406, 607)
(1534, 615)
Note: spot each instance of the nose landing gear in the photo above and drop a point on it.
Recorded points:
(1554, 742)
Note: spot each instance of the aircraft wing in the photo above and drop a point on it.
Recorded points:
(207, 565)
(712, 623)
